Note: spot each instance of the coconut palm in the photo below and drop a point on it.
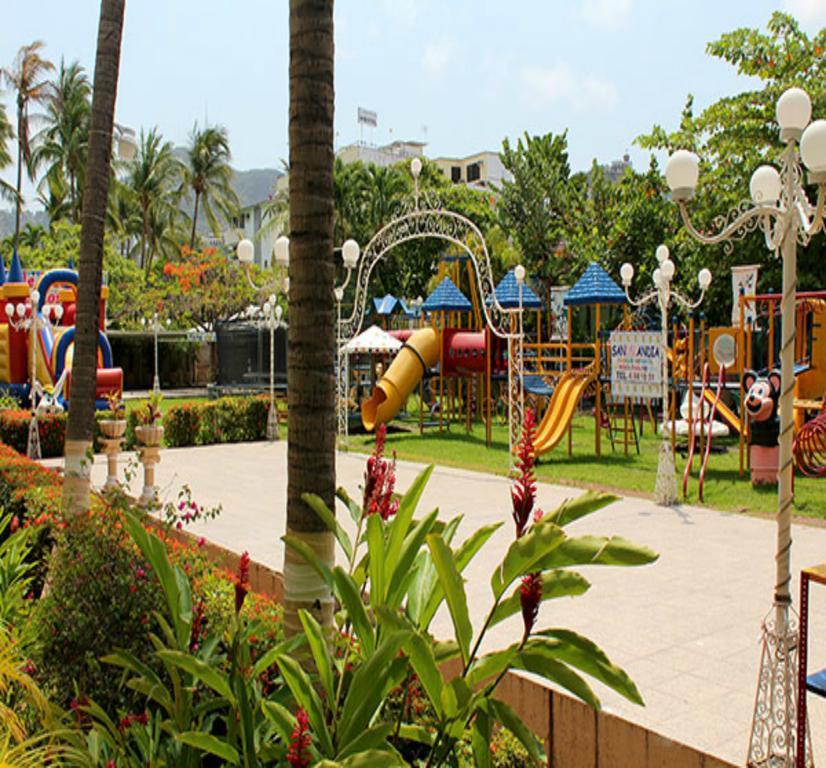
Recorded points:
(386, 185)
(6, 135)
(151, 179)
(311, 359)
(123, 217)
(62, 143)
(207, 176)
(79, 430)
(27, 78)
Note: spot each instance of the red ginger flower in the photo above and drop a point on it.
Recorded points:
(298, 754)
(523, 493)
(380, 480)
(242, 581)
(530, 596)
(197, 628)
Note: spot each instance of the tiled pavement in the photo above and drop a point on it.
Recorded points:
(685, 628)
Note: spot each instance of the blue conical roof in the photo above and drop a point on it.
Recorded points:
(447, 298)
(507, 294)
(2, 269)
(15, 269)
(595, 287)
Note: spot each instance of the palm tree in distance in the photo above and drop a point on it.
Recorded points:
(63, 142)
(208, 177)
(27, 78)
(79, 430)
(150, 179)
(6, 135)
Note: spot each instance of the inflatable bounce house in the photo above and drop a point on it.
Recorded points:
(51, 298)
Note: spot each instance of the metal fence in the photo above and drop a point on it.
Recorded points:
(244, 356)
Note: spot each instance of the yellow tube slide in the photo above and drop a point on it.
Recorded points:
(420, 352)
(567, 393)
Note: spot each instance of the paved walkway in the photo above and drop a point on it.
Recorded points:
(685, 628)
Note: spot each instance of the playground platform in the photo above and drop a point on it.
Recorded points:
(687, 628)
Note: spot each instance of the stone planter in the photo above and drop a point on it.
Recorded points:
(149, 434)
(113, 428)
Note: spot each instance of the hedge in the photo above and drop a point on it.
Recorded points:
(14, 431)
(226, 420)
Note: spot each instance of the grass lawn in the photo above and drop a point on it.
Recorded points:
(723, 488)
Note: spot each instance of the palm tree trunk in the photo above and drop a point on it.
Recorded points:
(310, 376)
(145, 238)
(19, 206)
(194, 219)
(79, 430)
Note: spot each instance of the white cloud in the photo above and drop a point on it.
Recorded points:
(562, 85)
(810, 13)
(608, 13)
(436, 57)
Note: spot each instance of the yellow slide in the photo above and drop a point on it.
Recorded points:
(420, 352)
(567, 393)
(723, 411)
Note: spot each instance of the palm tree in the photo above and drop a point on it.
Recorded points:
(27, 77)
(310, 379)
(79, 430)
(6, 135)
(385, 187)
(151, 178)
(208, 177)
(63, 142)
(123, 216)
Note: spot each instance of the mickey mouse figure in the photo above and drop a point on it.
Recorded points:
(760, 406)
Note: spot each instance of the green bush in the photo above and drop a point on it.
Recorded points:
(225, 420)
(102, 596)
(14, 431)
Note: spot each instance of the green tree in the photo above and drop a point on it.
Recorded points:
(6, 135)
(151, 179)
(61, 145)
(735, 135)
(79, 430)
(311, 360)
(27, 77)
(207, 176)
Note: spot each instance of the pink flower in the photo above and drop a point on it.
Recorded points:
(530, 596)
(380, 481)
(242, 581)
(201, 541)
(523, 493)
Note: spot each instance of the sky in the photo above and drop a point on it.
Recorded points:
(458, 74)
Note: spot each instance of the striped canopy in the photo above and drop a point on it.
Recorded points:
(373, 340)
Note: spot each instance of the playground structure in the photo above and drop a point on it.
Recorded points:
(38, 338)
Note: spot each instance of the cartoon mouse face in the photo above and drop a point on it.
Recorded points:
(761, 396)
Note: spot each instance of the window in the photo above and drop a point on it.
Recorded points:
(456, 174)
(474, 172)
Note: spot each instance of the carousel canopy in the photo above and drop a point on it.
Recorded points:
(373, 340)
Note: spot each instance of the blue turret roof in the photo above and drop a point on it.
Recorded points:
(15, 269)
(595, 287)
(2, 269)
(447, 298)
(507, 293)
(389, 304)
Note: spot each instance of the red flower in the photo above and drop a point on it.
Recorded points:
(298, 753)
(197, 628)
(242, 581)
(380, 480)
(530, 596)
(523, 493)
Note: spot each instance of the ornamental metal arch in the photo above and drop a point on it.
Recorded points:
(431, 221)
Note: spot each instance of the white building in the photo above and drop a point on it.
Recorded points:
(389, 154)
(248, 224)
(482, 170)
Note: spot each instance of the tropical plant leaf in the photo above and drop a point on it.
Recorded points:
(490, 665)
(480, 738)
(376, 564)
(401, 566)
(303, 691)
(320, 652)
(372, 738)
(556, 672)
(587, 656)
(417, 733)
(559, 583)
(510, 720)
(454, 590)
(202, 672)
(152, 687)
(350, 597)
(421, 655)
(280, 717)
(316, 503)
(573, 509)
(404, 516)
(526, 554)
(597, 550)
(210, 744)
(353, 507)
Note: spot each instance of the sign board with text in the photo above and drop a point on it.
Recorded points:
(636, 364)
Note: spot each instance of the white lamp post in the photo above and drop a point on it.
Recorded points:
(272, 315)
(782, 210)
(350, 252)
(519, 273)
(665, 490)
(155, 327)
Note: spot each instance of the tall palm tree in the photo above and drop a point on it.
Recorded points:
(27, 77)
(311, 360)
(6, 135)
(123, 217)
(79, 430)
(208, 177)
(63, 142)
(151, 179)
(385, 187)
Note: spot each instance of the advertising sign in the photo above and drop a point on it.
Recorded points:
(636, 364)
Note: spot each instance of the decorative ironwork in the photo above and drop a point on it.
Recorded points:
(424, 218)
(774, 725)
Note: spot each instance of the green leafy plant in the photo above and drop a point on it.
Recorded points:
(410, 567)
(116, 406)
(150, 412)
